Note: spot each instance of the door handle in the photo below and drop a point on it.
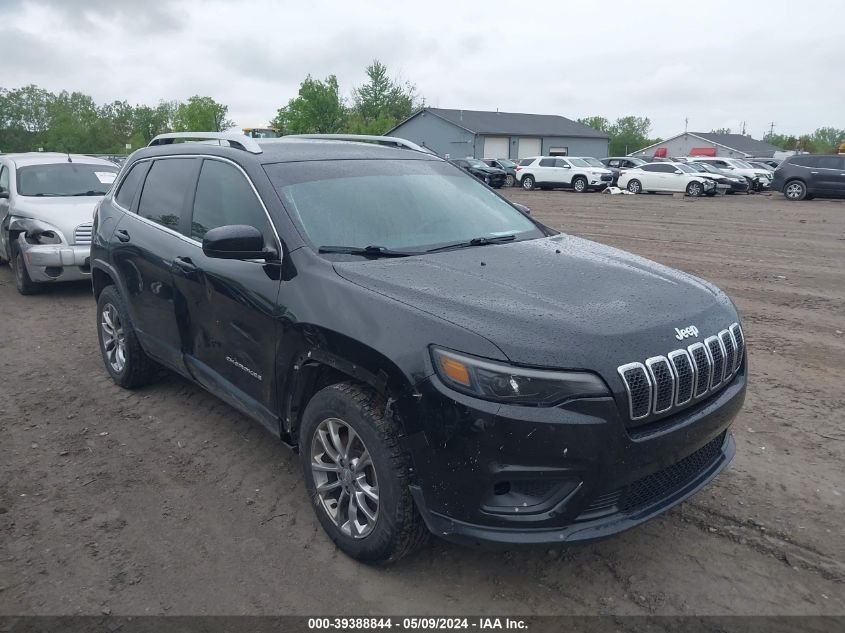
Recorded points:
(185, 267)
(122, 235)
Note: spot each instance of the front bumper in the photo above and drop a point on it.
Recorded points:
(56, 262)
(490, 474)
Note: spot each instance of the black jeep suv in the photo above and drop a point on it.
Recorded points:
(442, 361)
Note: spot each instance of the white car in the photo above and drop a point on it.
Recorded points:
(666, 176)
(550, 172)
(757, 177)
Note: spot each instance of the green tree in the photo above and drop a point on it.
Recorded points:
(24, 117)
(201, 114)
(148, 121)
(628, 134)
(73, 124)
(317, 108)
(828, 139)
(381, 102)
(597, 123)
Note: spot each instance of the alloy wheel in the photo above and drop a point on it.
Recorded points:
(694, 189)
(794, 190)
(114, 338)
(345, 478)
(579, 185)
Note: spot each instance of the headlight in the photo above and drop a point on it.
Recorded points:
(39, 233)
(517, 385)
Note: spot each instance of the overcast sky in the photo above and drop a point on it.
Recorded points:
(717, 63)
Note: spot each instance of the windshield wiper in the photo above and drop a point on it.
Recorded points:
(368, 251)
(476, 241)
(91, 193)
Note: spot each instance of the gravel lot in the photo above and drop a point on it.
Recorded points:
(166, 500)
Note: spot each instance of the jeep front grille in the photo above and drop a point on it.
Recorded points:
(683, 375)
(82, 234)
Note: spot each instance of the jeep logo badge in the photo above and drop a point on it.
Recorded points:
(686, 332)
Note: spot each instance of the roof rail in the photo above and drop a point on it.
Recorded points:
(235, 139)
(393, 141)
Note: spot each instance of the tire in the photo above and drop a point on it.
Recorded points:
(23, 282)
(634, 186)
(135, 369)
(509, 180)
(795, 190)
(695, 189)
(528, 182)
(397, 528)
(579, 184)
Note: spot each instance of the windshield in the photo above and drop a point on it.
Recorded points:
(696, 167)
(593, 162)
(65, 179)
(686, 168)
(396, 204)
(741, 164)
(474, 162)
(708, 167)
(507, 164)
(579, 162)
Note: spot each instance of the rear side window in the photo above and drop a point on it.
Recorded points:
(831, 162)
(163, 197)
(225, 197)
(4, 178)
(804, 161)
(129, 186)
(547, 162)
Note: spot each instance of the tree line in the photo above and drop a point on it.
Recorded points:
(32, 118)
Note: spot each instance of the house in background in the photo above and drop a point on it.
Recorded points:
(480, 134)
(709, 144)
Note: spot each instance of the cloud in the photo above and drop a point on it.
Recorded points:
(718, 64)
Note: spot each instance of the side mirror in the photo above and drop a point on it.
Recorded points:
(236, 241)
(522, 208)
(678, 171)
(4, 194)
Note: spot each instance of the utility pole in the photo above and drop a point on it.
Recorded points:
(686, 124)
(771, 128)
(743, 128)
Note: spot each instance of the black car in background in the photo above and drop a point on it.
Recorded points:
(732, 183)
(492, 176)
(506, 165)
(617, 163)
(805, 176)
(443, 362)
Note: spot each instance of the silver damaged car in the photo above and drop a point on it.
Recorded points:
(47, 205)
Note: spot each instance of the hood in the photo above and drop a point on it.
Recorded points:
(559, 302)
(599, 171)
(490, 170)
(63, 213)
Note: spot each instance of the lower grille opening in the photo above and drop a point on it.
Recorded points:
(526, 496)
(652, 488)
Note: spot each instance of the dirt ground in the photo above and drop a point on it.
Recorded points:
(166, 500)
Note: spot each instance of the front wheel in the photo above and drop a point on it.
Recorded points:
(23, 282)
(634, 186)
(528, 183)
(579, 184)
(795, 190)
(509, 180)
(357, 475)
(695, 189)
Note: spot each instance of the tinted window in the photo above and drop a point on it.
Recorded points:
(561, 163)
(831, 162)
(803, 161)
(225, 197)
(547, 162)
(65, 179)
(4, 178)
(652, 167)
(126, 193)
(525, 162)
(163, 197)
(402, 204)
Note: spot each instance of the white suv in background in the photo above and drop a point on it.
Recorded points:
(666, 176)
(757, 177)
(550, 172)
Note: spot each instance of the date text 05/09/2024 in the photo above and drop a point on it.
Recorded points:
(414, 624)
